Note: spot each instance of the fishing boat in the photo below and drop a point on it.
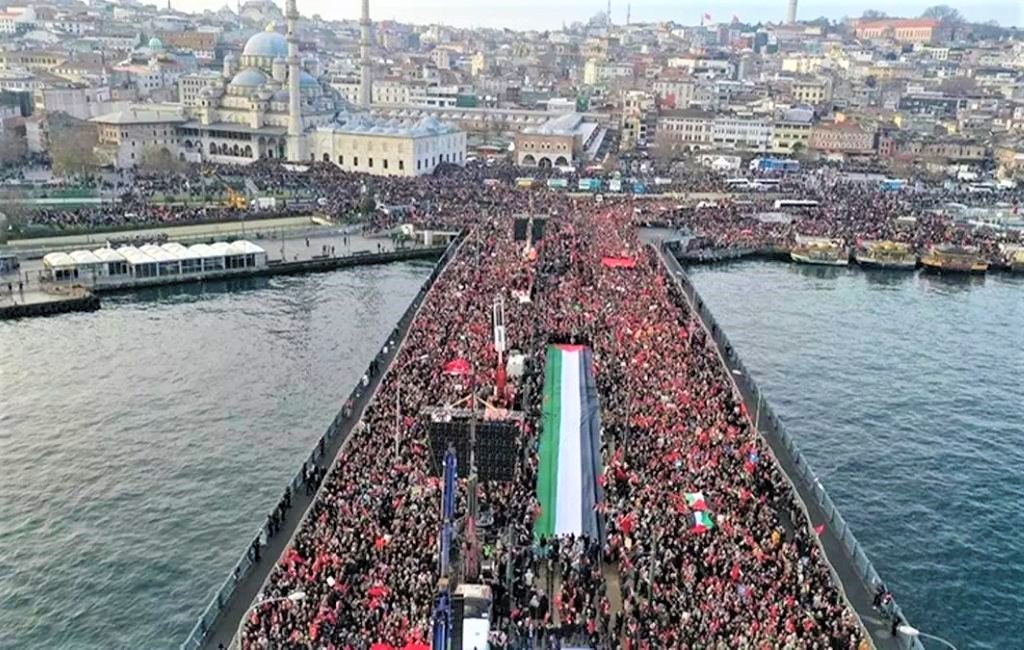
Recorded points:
(885, 255)
(819, 250)
(947, 258)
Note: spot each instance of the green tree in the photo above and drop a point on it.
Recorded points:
(873, 14)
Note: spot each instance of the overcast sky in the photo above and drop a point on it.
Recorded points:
(548, 14)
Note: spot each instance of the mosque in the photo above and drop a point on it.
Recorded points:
(269, 104)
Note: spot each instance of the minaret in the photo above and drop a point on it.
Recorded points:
(296, 141)
(365, 76)
(791, 14)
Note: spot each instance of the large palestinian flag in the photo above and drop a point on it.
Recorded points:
(570, 446)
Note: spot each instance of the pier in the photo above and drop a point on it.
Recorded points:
(285, 256)
(35, 301)
(220, 620)
(851, 568)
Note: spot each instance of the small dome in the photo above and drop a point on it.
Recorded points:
(250, 77)
(306, 79)
(156, 44)
(281, 95)
(270, 44)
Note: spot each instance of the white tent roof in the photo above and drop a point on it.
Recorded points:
(134, 256)
(244, 247)
(205, 250)
(157, 253)
(58, 260)
(85, 257)
(108, 255)
(180, 252)
(221, 248)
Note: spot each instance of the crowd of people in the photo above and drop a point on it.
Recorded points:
(365, 557)
(851, 207)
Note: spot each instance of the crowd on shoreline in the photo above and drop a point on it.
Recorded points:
(366, 555)
(849, 210)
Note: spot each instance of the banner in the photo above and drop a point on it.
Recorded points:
(570, 446)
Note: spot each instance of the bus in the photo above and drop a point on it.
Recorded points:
(476, 616)
(795, 203)
(764, 184)
(737, 183)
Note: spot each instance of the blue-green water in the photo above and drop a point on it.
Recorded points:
(142, 445)
(905, 393)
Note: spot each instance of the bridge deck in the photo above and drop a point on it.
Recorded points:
(859, 594)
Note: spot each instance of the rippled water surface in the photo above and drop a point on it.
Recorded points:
(142, 445)
(905, 393)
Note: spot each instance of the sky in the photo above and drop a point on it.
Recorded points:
(545, 14)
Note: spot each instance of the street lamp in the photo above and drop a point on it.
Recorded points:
(294, 597)
(911, 631)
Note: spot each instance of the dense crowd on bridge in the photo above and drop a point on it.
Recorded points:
(366, 555)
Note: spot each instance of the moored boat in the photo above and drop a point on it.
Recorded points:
(885, 255)
(1014, 257)
(947, 258)
(819, 250)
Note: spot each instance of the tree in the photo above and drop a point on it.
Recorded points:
(160, 160)
(944, 14)
(72, 144)
(873, 14)
(13, 147)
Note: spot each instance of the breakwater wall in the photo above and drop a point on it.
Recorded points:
(227, 607)
(849, 564)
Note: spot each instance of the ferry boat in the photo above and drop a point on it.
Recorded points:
(819, 250)
(947, 258)
(885, 255)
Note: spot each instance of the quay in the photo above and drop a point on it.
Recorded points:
(42, 297)
(851, 568)
(220, 619)
(38, 302)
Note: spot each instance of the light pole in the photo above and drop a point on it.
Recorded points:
(294, 597)
(911, 631)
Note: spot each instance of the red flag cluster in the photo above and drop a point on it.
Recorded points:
(618, 262)
(457, 367)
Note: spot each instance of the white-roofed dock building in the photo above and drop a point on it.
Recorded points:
(152, 263)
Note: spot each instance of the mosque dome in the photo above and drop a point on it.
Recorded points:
(269, 44)
(250, 77)
(156, 44)
(306, 79)
(281, 95)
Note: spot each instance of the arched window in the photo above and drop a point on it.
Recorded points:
(247, 152)
(327, 158)
(213, 149)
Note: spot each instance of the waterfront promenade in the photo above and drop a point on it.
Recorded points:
(851, 570)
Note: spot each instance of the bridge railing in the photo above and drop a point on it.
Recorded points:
(343, 421)
(769, 425)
